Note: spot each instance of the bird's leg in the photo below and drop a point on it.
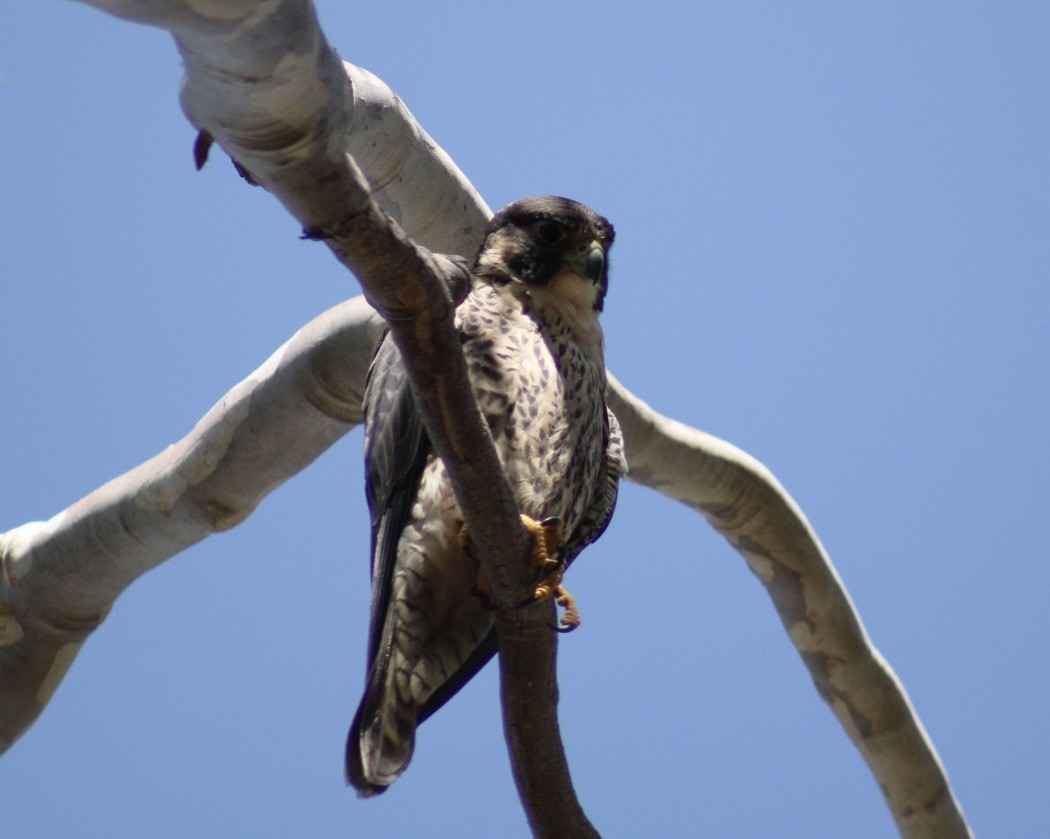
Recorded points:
(570, 618)
(547, 539)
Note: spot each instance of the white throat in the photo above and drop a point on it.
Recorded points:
(570, 298)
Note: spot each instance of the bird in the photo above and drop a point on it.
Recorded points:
(530, 333)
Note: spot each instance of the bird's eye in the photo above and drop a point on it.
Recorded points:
(549, 231)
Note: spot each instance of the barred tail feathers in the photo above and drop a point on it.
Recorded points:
(382, 738)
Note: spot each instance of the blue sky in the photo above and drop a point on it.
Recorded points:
(832, 251)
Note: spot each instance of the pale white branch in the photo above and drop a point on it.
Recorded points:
(263, 82)
(746, 504)
(304, 123)
(59, 578)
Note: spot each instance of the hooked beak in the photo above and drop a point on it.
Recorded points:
(588, 261)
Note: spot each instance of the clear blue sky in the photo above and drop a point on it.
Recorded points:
(833, 250)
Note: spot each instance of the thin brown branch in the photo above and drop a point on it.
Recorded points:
(278, 120)
(410, 287)
(541, 774)
(103, 542)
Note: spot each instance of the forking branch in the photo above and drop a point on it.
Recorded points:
(284, 128)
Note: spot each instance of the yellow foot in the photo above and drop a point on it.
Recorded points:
(570, 618)
(546, 542)
(546, 538)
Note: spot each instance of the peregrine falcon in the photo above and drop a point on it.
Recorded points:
(534, 351)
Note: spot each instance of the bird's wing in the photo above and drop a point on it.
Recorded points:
(593, 525)
(396, 450)
(603, 502)
(396, 453)
(480, 656)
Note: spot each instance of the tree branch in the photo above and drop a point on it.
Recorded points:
(744, 502)
(263, 82)
(58, 578)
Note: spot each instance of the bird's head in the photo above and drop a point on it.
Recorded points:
(549, 245)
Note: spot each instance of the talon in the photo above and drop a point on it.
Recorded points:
(553, 537)
(570, 619)
(546, 542)
(549, 585)
(546, 539)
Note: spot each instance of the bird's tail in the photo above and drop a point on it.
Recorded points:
(382, 737)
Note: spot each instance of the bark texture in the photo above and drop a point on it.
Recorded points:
(346, 158)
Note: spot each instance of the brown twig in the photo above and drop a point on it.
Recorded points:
(229, 78)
